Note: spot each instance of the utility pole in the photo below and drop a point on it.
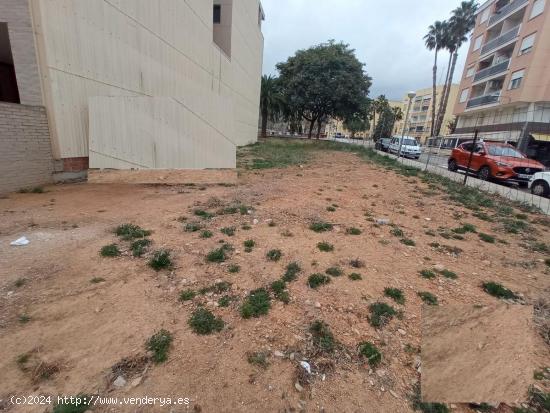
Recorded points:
(411, 96)
(470, 158)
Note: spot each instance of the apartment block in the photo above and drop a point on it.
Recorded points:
(505, 88)
(419, 123)
(132, 84)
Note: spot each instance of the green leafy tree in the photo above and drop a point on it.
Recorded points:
(358, 121)
(435, 40)
(460, 25)
(388, 117)
(271, 101)
(379, 105)
(324, 81)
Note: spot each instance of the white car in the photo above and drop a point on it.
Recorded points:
(409, 149)
(540, 184)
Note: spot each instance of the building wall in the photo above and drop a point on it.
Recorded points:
(25, 155)
(149, 48)
(17, 14)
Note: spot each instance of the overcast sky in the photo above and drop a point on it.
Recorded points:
(386, 34)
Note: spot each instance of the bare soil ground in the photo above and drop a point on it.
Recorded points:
(78, 336)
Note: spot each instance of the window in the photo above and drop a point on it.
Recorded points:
(538, 8)
(515, 81)
(217, 13)
(464, 96)
(485, 15)
(477, 43)
(527, 44)
(470, 72)
(8, 81)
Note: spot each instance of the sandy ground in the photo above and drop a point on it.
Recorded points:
(84, 329)
(465, 347)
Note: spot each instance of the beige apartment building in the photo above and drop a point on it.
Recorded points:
(336, 127)
(419, 123)
(505, 87)
(126, 84)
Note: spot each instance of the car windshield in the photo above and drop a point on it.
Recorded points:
(504, 151)
(410, 142)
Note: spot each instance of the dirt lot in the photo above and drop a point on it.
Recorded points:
(68, 315)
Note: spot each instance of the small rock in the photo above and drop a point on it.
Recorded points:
(136, 382)
(401, 331)
(427, 219)
(394, 394)
(439, 267)
(119, 382)
(298, 387)
(381, 373)
(278, 354)
(292, 356)
(255, 222)
(382, 221)
(317, 304)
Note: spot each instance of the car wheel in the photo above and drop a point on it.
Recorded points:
(484, 173)
(452, 165)
(540, 188)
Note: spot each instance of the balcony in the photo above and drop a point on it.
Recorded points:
(492, 71)
(483, 100)
(506, 11)
(500, 40)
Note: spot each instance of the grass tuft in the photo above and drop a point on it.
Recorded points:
(217, 255)
(322, 336)
(110, 251)
(334, 271)
(274, 255)
(353, 231)
(498, 290)
(256, 304)
(203, 214)
(292, 271)
(325, 247)
(429, 274)
(316, 280)
(234, 269)
(229, 231)
(321, 226)
(206, 234)
(408, 242)
(487, 238)
(371, 353)
(258, 359)
(140, 246)
(356, 263)
(396, 294)
(187, 295)
(159, 345)
(130, 231)
(204, 322)
(193, 227)
(381, 314)
(161, 260)
(428, 297)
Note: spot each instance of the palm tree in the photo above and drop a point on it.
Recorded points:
(378, 105)
(270, 101)
(435, 41)
(461, 23)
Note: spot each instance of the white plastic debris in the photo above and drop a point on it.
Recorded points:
(306, 366)
(382, 221)
(20, 242)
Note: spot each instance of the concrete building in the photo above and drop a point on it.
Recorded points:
(419, 124)
(505, 87)
(335, 126)
(126, 84)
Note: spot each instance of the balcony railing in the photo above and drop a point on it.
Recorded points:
(500, 40)
(507, 10)
(492, 71)
(483, 100)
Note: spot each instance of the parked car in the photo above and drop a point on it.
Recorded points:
(383, 144)
(495, 160)
(409, 148)
(540, 184)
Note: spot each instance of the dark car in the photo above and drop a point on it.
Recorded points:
(383, 144)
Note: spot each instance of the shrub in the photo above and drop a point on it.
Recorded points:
(225, 301)
(159, 345)
(234, 268)
(110, 251)
(331, 209)
(486, 238)
(322, 336)
(428, 297)
(334, 271)
(353, 231)
(381, 314)
(325, 247)
(246, 227)
(187, 295)
(217, 288)
(203, 214)
(193, 227)
(160, 260)
(397, 232)
(278, 286)
(140, 246)
(292, 271)
(272, 224)
(229, 231)
(356, 263)
(498, 290)
(465, 228)
(274, 255)
(131, 231)
(448, 274)
(206, 234)
(408, 242)
(20, 282)
(321, 226)
(249, 243)
(204, 322)
(547, 262)
(258, 359)
(316, 280)
(371, 352)
(97, 280)
(396, 294)
(256, 304)
(355, 277)
(217, 255)
(429, 274)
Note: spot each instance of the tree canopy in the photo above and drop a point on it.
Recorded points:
(324, 81)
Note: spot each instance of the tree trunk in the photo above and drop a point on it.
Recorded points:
(311, 125)
(434, 94)
(445, 86)
(319, 124)
(264, 122)
(373, 123)
(453, 66)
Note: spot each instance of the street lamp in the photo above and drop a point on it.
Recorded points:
(411, 96)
